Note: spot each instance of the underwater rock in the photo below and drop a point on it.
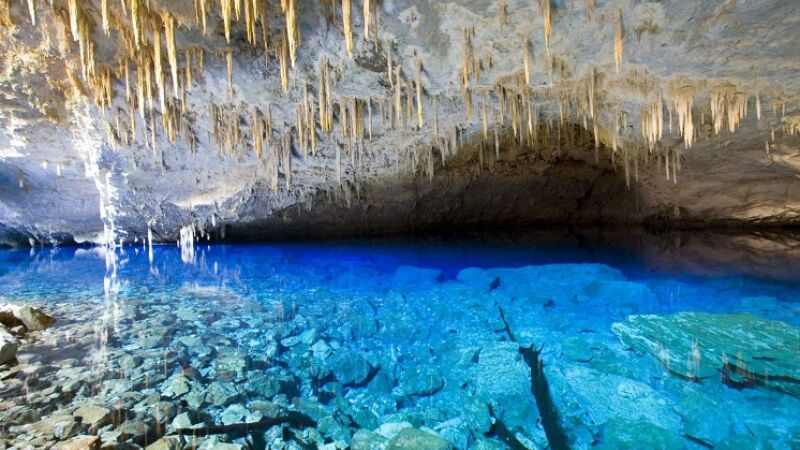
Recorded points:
(79, 443)
(165, 443)
(421, 380)
(275, 381)
(619, 434)
(503, 380)
(221, 394)
(33, 319)
(585, 399)
(705, 420)
(93, 416)
(8, 346)
(479, 278)
(414, 438)
(746, 350)
(409, 278)
(350, 368)
(176, 386)
(230, 365)
(367, 440)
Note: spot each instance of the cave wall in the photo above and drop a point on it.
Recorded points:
(66, 176)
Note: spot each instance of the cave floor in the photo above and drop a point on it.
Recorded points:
(561, 342)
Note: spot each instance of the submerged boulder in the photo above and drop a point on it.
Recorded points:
(746, 350)
(587, 399)
(409, 278)
(413, 438)
(8, 346)
(33, 319)
(349, 367)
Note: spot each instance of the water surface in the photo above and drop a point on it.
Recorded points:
(502, 342)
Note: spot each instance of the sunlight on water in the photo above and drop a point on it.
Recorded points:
(402, 344)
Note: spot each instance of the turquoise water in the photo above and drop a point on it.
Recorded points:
(401, 344)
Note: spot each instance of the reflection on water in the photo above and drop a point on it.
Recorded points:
(616, 340)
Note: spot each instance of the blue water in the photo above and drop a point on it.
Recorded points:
(356, 331)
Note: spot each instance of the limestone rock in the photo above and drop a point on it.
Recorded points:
(414, 438)
(746, 349)
(8, 346)
(421, 380)
(93, 415)
(79, 443)
(33, 319)
(620, 434)
(586, 399)
(349, 367)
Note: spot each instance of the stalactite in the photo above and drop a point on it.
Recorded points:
(32, 11)
(104, 17)
(203, 15)
(418, 84)
(485, 116)
(292, 30)
(526, 60)
(347, 23)
(398, 100)
(408, 116)
(726, 102)
(136, 22)
(172, 51)
(682, 102)
(369, 115)
(74, 18)
(590, 4)
(502, 11)
(367, 8)
(546, 17)
(158, 69)
(618, 35)
(226, 10)
(229, 61)
(652, 118)
(188, 57)
(283, 57)
(758, 106)
(250, 23)
(467, 65)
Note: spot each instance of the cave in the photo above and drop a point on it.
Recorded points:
(399, 224)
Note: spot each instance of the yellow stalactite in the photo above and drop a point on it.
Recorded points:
(526, 60)
(547, 18)
(32, 11)
(226, 7)
(367, 18)
(104, 14)
(652, 118)
(618, 41)
(159, 70)
(420, 115)
(293, 32)
(283, 58)
(135, 21)
(203, 15)
(682, 102)
(188, 57)
(172, 51)
(347, 23)
(74, 18)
